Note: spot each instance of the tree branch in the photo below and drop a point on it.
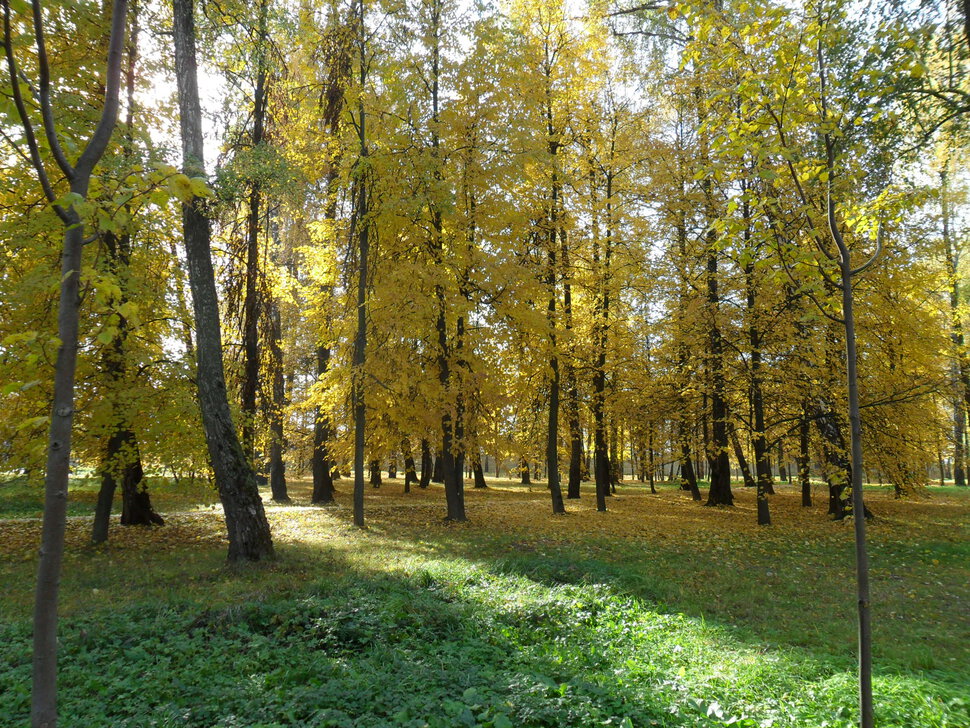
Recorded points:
(18, 100)
(46, 112)
(109, 113)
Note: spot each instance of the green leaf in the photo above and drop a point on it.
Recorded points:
(69, 199)
(181, 186)
(200, 188)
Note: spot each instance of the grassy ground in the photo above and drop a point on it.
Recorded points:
(659, 612)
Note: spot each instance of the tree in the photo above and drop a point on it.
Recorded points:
(78, 175)
(249, 533)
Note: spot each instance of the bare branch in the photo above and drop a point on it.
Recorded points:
(875, 255)
(18, 100)
(46, 112)
(109, 113)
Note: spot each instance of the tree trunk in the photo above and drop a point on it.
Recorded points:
(572, 389)
(410, 474)
(277, 470)
(122, 458)
(249, 534)
(804, 461)
(552, 432)
(321, 462)
(601, 455)
(651, 464)
(688, 479)
(251, 302)
(425, 464)
(375, 473)
(782, 467)
(478, 472)
(858, 506)
(720, 476)
(742, 461)
(362, 228)
(961, 364)
(437, 475)
(761, 464)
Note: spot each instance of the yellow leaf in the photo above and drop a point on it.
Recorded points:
(181, 186)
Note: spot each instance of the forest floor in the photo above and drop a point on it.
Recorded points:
(659, 612)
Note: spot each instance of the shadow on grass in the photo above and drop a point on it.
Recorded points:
(455, 626)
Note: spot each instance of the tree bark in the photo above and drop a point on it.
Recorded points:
(756, 392)
(720, 489)
(478, 473)
(572, 388)
(436, 470)
(552, 432)
(251, 303)
(410, 474)
(44, 690)
(123, 457)
(742, 461)
(961, 362)
(375, 473)
(363, 252)
(804, 461)
(321, 462)
(277, 445)
(426, 465)
(249, 533)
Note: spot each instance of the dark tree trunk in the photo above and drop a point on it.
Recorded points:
(688, 479)
(651, 463)
(572, 392)
(804, 460)
(425, 464)
(410, 474)
(437, 474)
(761, 465)
(392, 467)
(122, 461)
(277, 470)
(136, 506)
(833, 448)
(524, 472)
(375, 473)
(616, 463)
(123, 457)
(688, 476)
(720, 476)
(362, 228)
(122, 464)
(959, 456)
(742, 461)
(782, 468)
(860, 513)
(602, 476)
(448, 466)
(961, 365)
(251, 302)
(478, 473)
(321, 462)
(552, 433)
(249, 534)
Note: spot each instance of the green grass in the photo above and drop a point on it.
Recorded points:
(529, 622)
(20, 498)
